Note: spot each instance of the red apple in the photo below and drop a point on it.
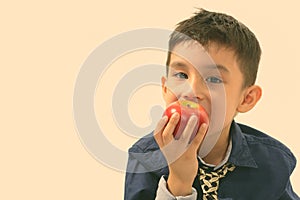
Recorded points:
(186, 109)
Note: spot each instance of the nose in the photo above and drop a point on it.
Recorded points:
(196, 89)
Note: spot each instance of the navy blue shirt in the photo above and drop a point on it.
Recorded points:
(263, 168)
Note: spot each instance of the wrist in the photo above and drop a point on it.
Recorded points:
(178, 187)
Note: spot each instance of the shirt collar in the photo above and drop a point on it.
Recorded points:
(240, 153)
(223, 161)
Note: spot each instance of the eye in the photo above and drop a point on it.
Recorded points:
(181, 75)
(213, 79)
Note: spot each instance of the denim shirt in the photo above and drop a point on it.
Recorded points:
(263, 168)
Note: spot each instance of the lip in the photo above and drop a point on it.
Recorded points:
(196, 101)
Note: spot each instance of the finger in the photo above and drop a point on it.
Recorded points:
(189, 129)
(161, 124)
(196, 142)
(167, 134)
(159, 129)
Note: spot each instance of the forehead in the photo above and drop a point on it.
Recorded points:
(193, 53)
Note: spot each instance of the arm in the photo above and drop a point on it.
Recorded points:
(140, 186)
(180, 154)
(140, 183)
(164, 194)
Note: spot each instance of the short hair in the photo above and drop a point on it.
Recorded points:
(207, 27)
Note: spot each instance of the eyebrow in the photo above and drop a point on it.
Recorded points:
(219, 67)
(178, 64)
(211, 67)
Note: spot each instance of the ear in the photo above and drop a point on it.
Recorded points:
(163, 86)
(249, 99)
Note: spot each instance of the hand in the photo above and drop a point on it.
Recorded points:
(180, 154)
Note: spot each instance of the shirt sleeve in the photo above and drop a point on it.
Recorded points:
(289, 194)
(139, 185)
(164, 194)
(141, 180)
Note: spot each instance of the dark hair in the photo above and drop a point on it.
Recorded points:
(207, 27)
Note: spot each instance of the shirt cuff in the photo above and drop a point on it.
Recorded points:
(163, 193)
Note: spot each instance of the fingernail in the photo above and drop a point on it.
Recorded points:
(193, 119)
(204, 126)
(164, 119)
(175, 115)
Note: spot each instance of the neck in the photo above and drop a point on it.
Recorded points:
(218, 153)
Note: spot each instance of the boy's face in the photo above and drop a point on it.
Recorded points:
(214, 81)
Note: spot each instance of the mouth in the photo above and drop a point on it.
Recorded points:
(189, 104)
(194, 103)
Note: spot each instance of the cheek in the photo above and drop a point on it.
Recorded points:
(170, 97)
(233, 101)
(175, 90)
(217, 98)
(223, 104)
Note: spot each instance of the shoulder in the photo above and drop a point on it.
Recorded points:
(254, 136)
(145, 144)
(267, 149)
(146, 153)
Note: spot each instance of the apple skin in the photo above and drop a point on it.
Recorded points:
(186, 109)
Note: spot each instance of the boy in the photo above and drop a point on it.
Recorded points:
(237, 162)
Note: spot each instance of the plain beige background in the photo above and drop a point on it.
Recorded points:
(42, 47)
